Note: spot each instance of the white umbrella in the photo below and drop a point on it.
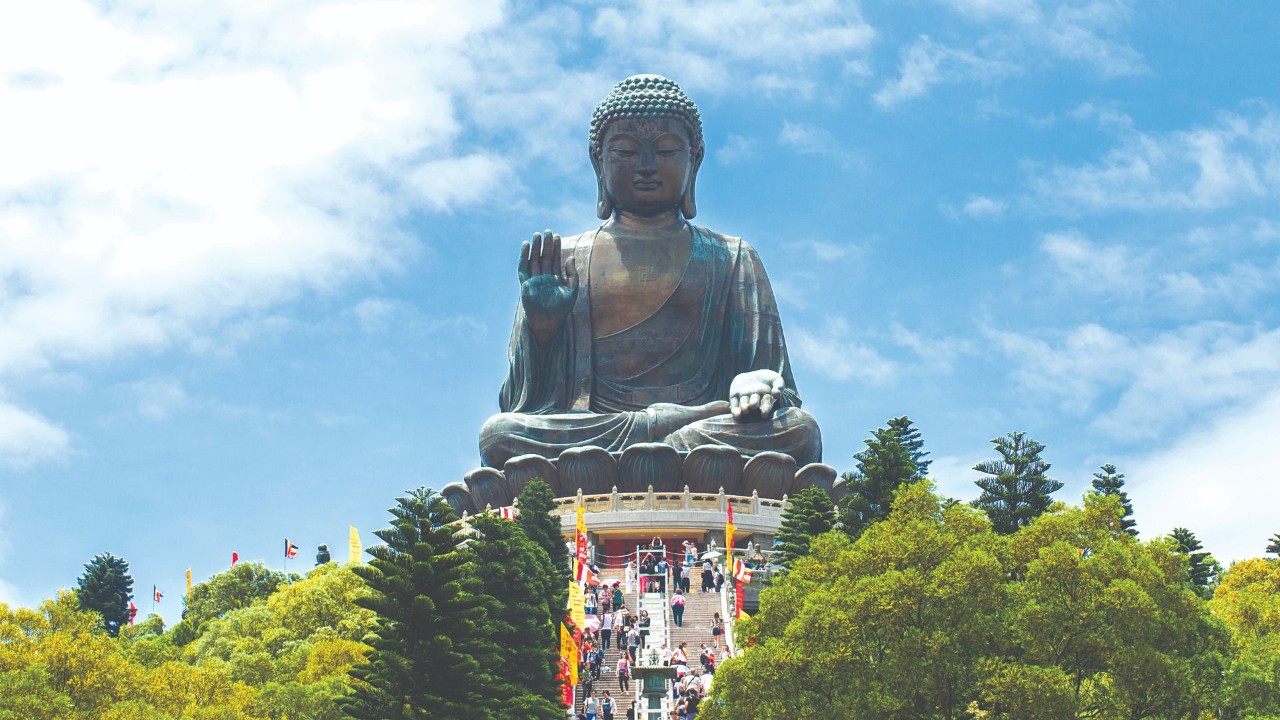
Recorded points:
(710, 555)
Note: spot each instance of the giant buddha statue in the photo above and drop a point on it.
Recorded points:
(646, 329)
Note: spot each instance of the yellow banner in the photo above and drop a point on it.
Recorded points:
(577, 606)
(569, 651)
(188, 582)
(353, 546)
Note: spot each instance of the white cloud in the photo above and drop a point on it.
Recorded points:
(1142, 388)
(27, 438)
(1204, 168)
(737, 149)
(813, 140)
(718, 43)
(984, 207)
(1219, 481)
(927, 63)
(159, 398)
(1108, 270)
(833, 353)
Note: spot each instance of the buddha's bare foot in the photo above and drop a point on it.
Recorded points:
(669, 417)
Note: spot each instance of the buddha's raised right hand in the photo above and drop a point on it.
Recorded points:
(548, 286)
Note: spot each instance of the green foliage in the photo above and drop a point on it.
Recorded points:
(516, 574)
(537, 505)
(1203, 568)
(1016, 489)
(1247, 600)
(809, 514)
(239, 587)
(431, 655)
(106, 588)
(1273, 547)
(1108, 481)
(932, 614)
(893, 457)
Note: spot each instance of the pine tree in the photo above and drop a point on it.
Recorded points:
(537, 518)
(810, 514)
(1204, 568)
(1109, 482)
(517, 574)
(1016, 489)
(892, 457)
(909, 436)
(432, 655)
(1274, 547)
(106, 588)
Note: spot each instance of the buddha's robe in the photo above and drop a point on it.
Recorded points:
(614, 391)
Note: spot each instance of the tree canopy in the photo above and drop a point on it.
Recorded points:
(1016, 489)
(809, 514)
(893, 456)
(106, 588)
(1110, 481)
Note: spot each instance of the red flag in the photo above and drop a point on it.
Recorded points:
(235, 558)
(290, 550)
(133, 612)
(155, 593)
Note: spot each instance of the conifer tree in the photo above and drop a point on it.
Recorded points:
(106, 588)
(542, 526)
(1109, 482)
(1204, 568)
(432, 655)
(810, 514)
(517, 574)
(1016, 489)
(1274, 547)
(892, 457)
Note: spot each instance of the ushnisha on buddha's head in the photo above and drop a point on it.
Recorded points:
(646, 147)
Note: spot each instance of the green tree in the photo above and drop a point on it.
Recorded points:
(1016, 489)
(432, 656)
(893, 456)
(1273, 548)
(894, 625)
(1248, 602)
(809, 514)
(516, 574)
(537, 518)
(106, 588)
(239, 587)
(1204, 569)
(1110, 482)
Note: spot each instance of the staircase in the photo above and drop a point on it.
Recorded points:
(699, 608)
(609, 680)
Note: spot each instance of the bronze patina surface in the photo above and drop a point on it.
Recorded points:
(646, 329)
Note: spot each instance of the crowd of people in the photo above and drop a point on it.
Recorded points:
(616, 637)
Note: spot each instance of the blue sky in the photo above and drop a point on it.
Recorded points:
(257, 260)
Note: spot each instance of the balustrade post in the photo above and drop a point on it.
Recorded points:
(615, 501)
(755, 502)
(648, 499)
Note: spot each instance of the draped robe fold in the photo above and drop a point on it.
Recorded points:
(721, 320)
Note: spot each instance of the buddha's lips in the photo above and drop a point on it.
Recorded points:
(646, 185)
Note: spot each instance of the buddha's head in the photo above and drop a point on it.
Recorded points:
(646, 148)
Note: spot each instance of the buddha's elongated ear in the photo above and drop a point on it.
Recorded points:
(604, 206)
(688, 203)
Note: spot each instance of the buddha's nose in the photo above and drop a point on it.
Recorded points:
(648, 164)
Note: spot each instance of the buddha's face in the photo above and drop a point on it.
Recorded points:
(647, 164)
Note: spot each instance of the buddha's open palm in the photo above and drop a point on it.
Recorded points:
(548, 287)
(753, 395)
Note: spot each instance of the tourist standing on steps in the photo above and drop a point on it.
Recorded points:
(630, 575)
(645, 622)
(617, 597)
(677, 607)
(685, 576)
(708, 578)
(719, 579)
(607, 706)
(606, 629)
(624, 672)
(591, 705)
(717, 629)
